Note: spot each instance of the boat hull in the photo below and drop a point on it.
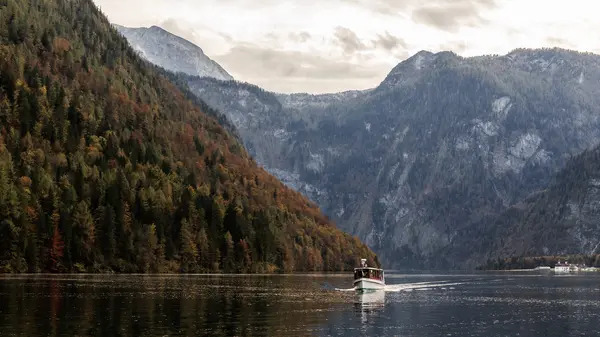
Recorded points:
(368, 284)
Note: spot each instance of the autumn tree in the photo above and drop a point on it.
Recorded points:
(108, 163)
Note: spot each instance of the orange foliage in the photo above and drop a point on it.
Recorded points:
(61, 45)
(31, 214)
(136, 99)
(57, 247)
(25, 181)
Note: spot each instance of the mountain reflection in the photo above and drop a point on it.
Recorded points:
(297, 305)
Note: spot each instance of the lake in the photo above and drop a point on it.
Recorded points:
(477, 304)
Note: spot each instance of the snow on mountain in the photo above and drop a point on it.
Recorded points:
(172, 52)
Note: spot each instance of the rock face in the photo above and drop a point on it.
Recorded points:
(172, 52)
(431, 166)
(562, 219)
(422, 166)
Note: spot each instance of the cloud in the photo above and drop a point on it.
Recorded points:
(445, 15)
(457, 47)
(173, 27)
(278, 69)
(389, 42)
(559, 42)
(386, 7)
(348, 40)
(450, 16)
(350, 43)
(392, 7)
(364, 38)
(300, 37)
(276, 63)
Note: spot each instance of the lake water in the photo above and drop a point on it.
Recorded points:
(479, 304)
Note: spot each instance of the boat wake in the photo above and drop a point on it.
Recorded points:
(419, 286)
(411, 286)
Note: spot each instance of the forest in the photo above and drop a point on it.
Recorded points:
(108, 165)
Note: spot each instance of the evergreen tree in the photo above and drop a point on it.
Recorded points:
(109, 163)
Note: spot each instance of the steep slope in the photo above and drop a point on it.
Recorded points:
(104, 164)
(172, 52)
(562, 219)
(421, 166)
(270, 124)
(452, 142)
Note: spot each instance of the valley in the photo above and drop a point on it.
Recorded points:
(423, 166)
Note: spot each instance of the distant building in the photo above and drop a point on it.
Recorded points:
(562, 267)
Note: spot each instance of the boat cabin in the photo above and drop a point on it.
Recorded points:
(369, 273)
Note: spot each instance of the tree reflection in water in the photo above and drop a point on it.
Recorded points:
(84, 305)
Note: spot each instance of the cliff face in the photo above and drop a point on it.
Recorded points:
(562, 219)
(425, 166)
(421, 166)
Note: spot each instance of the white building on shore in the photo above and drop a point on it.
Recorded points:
(563, 267)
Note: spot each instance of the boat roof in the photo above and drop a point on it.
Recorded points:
(367, 268)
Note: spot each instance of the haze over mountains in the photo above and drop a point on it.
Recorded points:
(441, 164)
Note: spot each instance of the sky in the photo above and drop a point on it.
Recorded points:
(320, 46)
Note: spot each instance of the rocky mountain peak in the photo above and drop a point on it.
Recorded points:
(172, 52)
(412, 69)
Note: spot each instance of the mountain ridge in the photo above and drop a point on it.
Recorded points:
(423, 165)
(193, 61)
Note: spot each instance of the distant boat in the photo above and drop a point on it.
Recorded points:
(368, 278)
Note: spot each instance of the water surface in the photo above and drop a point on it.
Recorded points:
(479, 304)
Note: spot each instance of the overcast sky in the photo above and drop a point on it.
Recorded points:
(334, 45)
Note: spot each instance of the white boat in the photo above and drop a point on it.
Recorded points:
(368, 278)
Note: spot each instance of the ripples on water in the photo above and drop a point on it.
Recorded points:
(500, 304)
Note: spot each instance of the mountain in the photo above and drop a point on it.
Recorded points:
(422, 166)
(172, 52)
(563, 218)
(108, 163)
(428, 167)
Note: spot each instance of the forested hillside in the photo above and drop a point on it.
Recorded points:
(424, 167)
(106, 165)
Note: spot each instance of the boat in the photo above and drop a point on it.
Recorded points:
(368, 278)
